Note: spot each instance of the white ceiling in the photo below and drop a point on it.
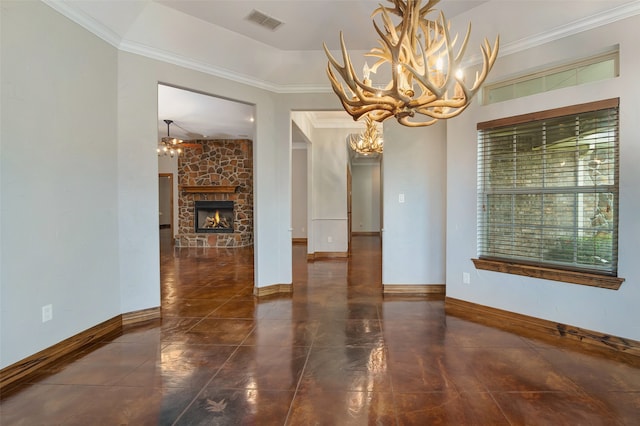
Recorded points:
(306, 23)
(214, 37)
(201, 116)
(197, 115)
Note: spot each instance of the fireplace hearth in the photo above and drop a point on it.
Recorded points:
(214, 217)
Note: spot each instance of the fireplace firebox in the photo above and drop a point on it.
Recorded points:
(214, 216)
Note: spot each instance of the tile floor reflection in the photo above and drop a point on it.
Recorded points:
(335, 352)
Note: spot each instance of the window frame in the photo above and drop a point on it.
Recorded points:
(540, 269)
(544, 75)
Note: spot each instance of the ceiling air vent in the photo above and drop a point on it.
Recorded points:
(264, 20)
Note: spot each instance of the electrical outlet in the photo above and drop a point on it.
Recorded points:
(466, 278)
(47, 313)
(329, 239)
(401, 198)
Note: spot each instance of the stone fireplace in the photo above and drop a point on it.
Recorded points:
(215, 203)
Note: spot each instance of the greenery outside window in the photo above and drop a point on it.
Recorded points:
(548, 192)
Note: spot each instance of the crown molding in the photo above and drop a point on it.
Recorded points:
(85, 21)
(612, 15)
(317, 121)
(100, 30)
(185, 62)
(572, 28)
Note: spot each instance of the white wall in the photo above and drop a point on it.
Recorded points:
(59, 180)
(413, 242)
(365, 197)
(602, 310)
(299, 192)
(329, 190)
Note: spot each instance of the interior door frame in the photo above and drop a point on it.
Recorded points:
(349, 218)
(171, 206)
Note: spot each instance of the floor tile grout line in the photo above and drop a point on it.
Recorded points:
(200, 319)
(540, 353)
(208, 382)
(304, 368)
(386, 348)
(495, 401)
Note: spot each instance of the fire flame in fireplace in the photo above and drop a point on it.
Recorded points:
(216, 221)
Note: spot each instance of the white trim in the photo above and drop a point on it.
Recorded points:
(598, 20)
(298, 145)
(85, 21)
(100, 30)
(182, 61)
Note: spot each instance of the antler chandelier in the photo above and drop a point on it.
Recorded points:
(426, 82)
(168, 145)
(369, 141)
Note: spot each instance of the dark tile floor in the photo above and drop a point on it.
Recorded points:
(335, 352)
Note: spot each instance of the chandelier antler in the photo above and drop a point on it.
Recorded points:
(369, 141)
(424, 69)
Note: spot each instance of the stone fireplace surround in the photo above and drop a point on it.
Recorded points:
(216, 170)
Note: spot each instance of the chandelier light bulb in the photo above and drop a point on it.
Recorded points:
(366, 73)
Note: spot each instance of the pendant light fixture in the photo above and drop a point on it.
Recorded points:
(168, 145)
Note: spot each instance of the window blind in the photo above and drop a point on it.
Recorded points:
(548, 188)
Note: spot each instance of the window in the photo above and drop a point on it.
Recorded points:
(548, 190)
(596, 68)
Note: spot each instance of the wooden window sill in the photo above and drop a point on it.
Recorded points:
(573, 277)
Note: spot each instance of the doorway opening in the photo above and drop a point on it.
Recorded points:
(325, 207)
(215, 166)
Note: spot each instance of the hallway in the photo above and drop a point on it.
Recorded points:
(335, 352)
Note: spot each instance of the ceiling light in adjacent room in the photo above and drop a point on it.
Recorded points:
(168, 145)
